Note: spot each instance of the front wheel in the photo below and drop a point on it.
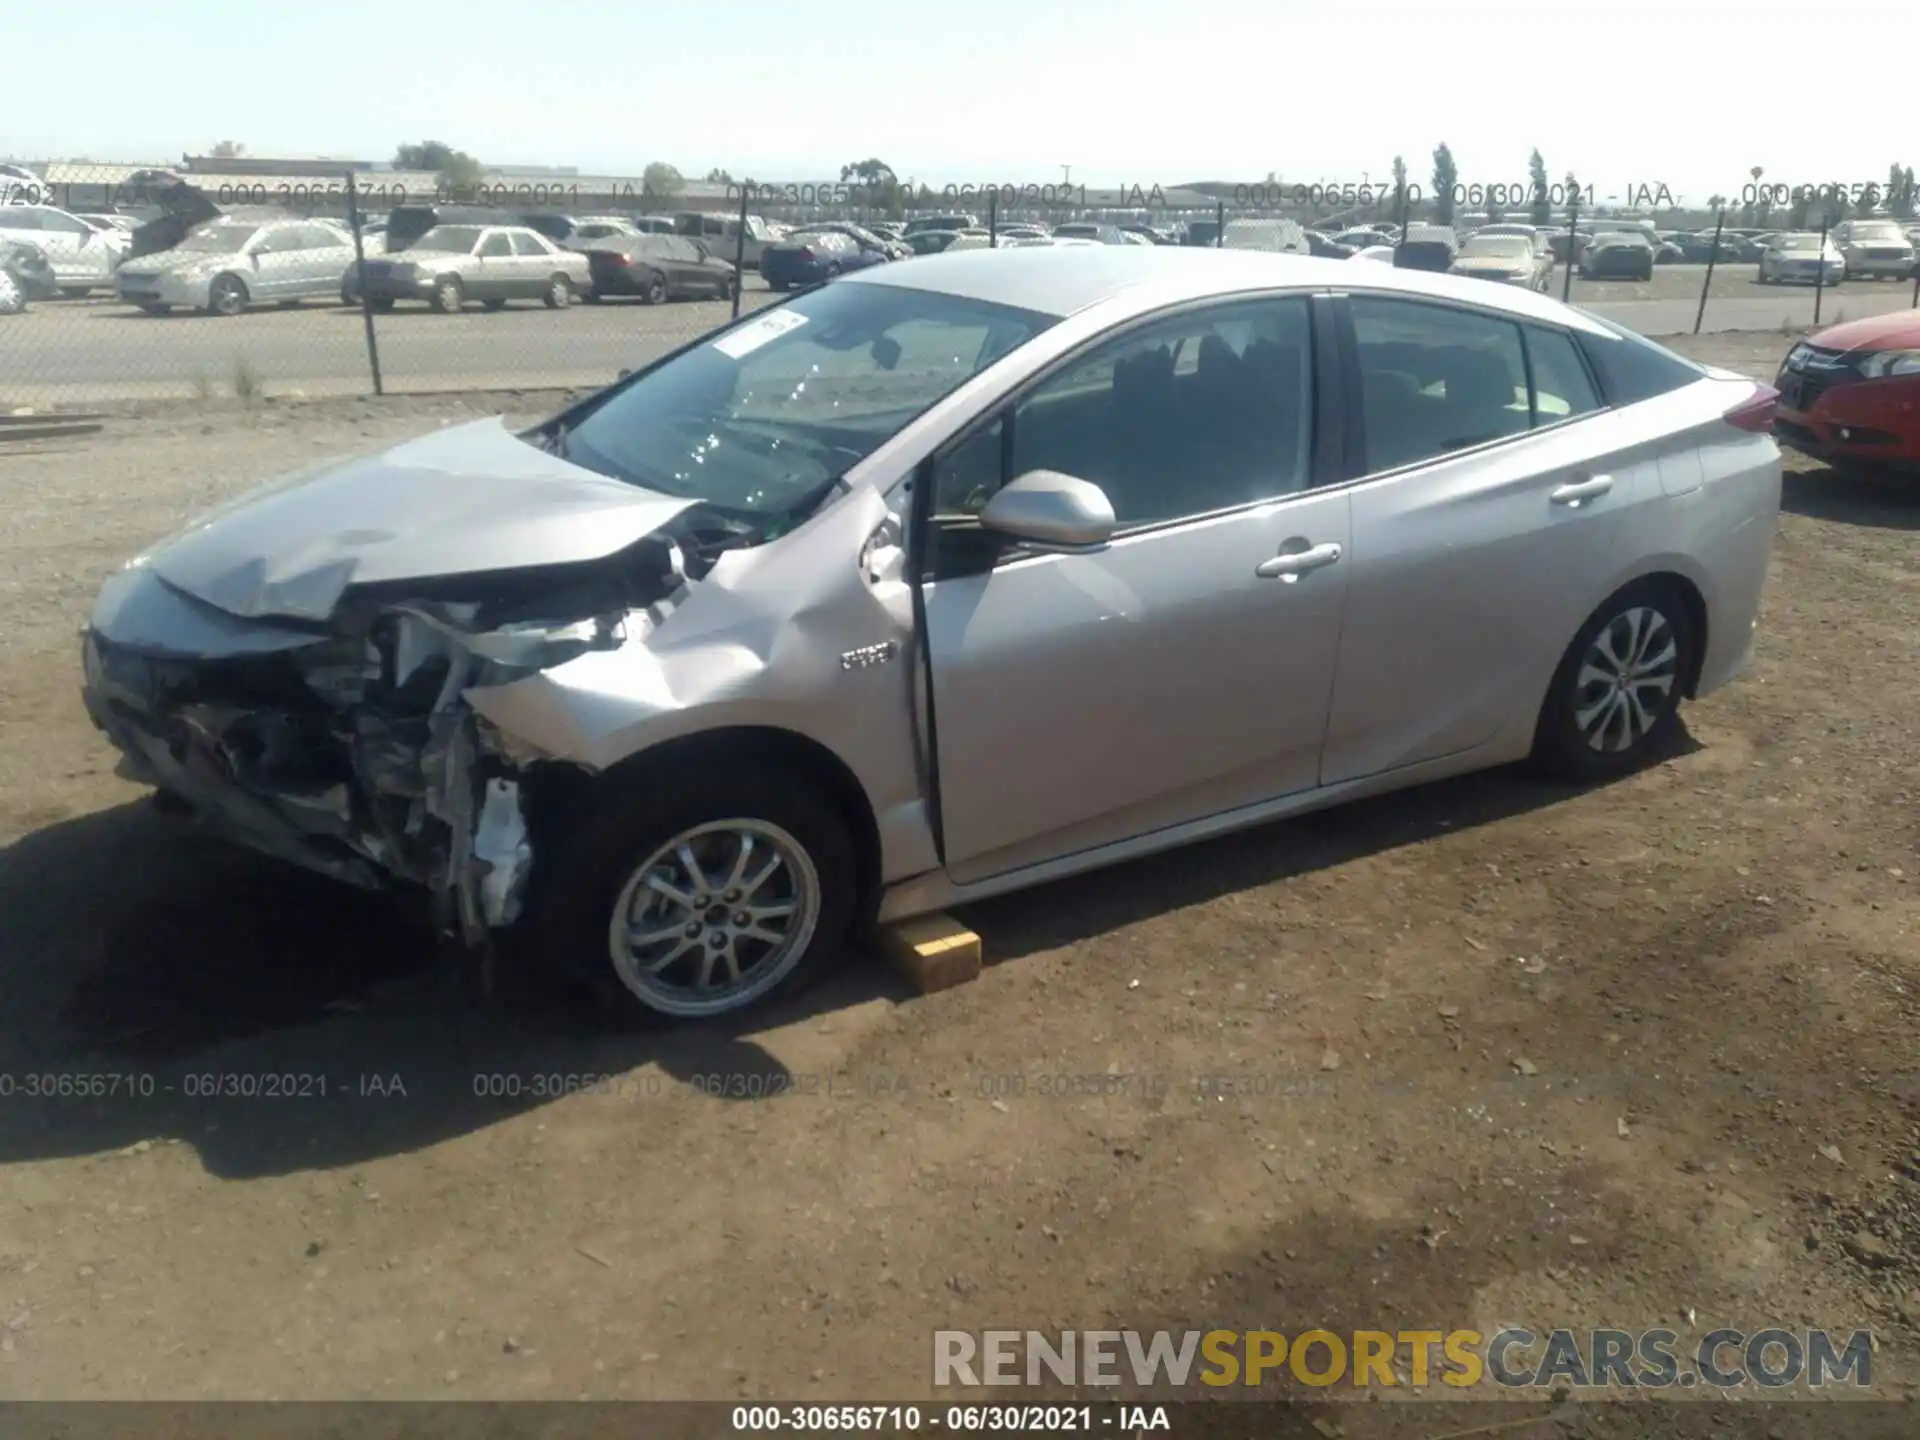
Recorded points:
(700, 897)
(228, 296)
(1615, 700)
(449, 295)
(656, 291)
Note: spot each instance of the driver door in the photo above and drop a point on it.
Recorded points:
(1181, 670)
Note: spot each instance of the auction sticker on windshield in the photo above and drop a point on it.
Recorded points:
(757, 332)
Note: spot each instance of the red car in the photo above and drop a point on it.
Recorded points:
(1851, 393)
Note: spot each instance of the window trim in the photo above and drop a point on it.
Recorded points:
(1324, 449)
(1354, 392)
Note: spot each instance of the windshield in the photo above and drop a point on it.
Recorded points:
(1879, 231)
(1797, 242)
(765, 419)
(1500, 247)
(1082, 232)
(458, 239)
(219, 239)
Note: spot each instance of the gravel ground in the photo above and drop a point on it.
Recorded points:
(1486, 1052)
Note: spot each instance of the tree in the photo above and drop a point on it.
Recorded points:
(1540, 207)
(875, 184)
(1399, 183)
(1902, 198)
(1802, 208)
(426, 155)
(660, 178)
(718, 176)
(462, 171)
(1572, 184)
(229, 150)
(1867, 202)
(1496, 212)
(1446, 175)
(1716, 203)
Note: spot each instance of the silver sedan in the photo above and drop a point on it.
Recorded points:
(945, 580)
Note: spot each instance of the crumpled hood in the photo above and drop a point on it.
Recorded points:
(461, 501)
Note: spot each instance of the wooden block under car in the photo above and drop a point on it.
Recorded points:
(935, 952)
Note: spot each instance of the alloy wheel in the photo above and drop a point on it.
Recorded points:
(715, 918)
(1626, 680)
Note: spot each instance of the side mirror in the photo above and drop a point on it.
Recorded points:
(1047, 508)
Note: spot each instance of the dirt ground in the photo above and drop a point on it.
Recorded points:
(1485, 1053)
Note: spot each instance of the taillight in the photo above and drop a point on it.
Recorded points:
(1756, 413)
(807, 255)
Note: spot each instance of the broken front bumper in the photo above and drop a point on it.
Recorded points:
(349, 750)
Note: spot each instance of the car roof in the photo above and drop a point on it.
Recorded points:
(1052, 280)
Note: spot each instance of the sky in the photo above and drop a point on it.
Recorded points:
(1626, 94)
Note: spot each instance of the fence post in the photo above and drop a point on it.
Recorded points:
(1719, 224)
(1820, 270)
(360, 282)
(1914, 304)
(1573, 244)
(993, 219)
(1405, 215)
(1219, 224)
(740, 249)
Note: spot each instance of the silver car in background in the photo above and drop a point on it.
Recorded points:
(1522, 260)
(941, 581)
(1874, 249)
(228, 265)
(452, 264)
(1801, 257)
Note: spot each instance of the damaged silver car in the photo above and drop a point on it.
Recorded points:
(940, 581)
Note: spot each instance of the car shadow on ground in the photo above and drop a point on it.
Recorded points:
(1884, 502)
(1077, 909)
(161, 985)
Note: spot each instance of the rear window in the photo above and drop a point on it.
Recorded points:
(1632, 368)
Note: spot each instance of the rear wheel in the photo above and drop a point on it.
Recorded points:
(697, 898)
(1615, 700)
(559, 293)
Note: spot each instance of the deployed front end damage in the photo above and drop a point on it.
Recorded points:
(350, 745)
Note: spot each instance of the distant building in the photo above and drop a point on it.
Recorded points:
(309, 167)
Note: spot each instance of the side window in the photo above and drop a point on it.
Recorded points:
(496, 244)
(1203, 412)
(1633, 368)
(527, 245)
(1435, 380)
(1562, 388)
(965, 478)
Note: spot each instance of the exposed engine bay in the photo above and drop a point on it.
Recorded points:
(347, 746)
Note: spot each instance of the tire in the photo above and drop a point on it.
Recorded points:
(559, 293)
(155, 307)
(1649, 619)
(494, 304)
(227, 296)
(656, 290)
(594, 886)
(449, 295)
(13, 300)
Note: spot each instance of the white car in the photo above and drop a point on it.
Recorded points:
(1799, 258)
(20, 186)
(1874, 249)
(1382, 253)
(1284, 237)
(83, 255)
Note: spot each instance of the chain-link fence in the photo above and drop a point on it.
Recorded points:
(125, 283)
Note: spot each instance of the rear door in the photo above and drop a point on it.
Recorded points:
(278, 260)
(325, 256)
(533, 263)
(1486, 527)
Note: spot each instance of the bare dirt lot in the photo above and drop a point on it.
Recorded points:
(1485, 1053)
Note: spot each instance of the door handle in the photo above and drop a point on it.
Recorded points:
(1581, 490)
(1293, 565)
